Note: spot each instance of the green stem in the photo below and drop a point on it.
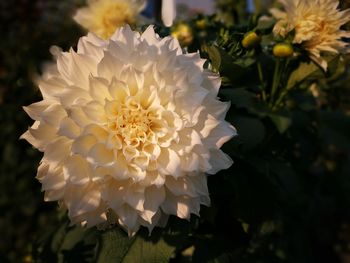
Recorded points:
(261, 78)
(280, 99)
(276, 80)
(283, 94)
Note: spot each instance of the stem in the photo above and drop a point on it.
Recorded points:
(276, 80)
(261, 78)
(282, 94)
(280, 98)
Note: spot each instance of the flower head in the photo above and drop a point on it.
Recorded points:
(317, 26)
(103, 17)
(183, 33)
(130, 127)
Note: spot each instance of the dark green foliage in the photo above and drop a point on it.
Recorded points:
(285, 199)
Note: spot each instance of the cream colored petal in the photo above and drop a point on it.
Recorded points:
(128, 219)
(91, 44)
(57, 151)
(39, 135)
(120, 168)
(150, 219)
(114, 193)
(152, 150)
(199, 183)
(53, 115)
(180, 186)
(72, 95)
(53, 179)
(109, 66)
(205, 127)
(51, 87)
(114, 142)
(154, 197)
(135, 197)
(178, 206)
(118, 90)
(69, 128)
(80, 200)
(99, 155)
(35, 110)
(219, 161)
(95, 112)
(53, 195)
(149, 35)
(169, 162)
(97, 131)
(83, 144)
(320, 61)
(190, 162)
(92, 218)
(99, 89)
(126, 36)
(219, 135)
(77, 114)
(211, 82)
(76, 68)
(77, 170)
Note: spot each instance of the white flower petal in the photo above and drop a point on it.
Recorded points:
(53, 114)
(169, 162)
(80, 200)
(99, 89)
(219, 161)
(83, 144)
(69, 128)
(77, 170)
(34, 110)
(95, 111)
(128, 219)
(99, 155)
(39, 135)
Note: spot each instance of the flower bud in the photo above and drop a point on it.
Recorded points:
(282, 50)
(201, 24)
(183, 33)
(251, 40)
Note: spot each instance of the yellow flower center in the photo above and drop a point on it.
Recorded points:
(131, 123)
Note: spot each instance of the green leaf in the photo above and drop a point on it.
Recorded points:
(214, 56)
(240, 97)
(281, 122)
(144, 250)
(301, 73)
(114, 245)
(239, 71)
(251, 132)
(311, 71)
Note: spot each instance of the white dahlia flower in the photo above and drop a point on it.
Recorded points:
(103, 17)
(317, 26)
(129, 126)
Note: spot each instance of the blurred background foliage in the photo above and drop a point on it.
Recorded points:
(286, 198)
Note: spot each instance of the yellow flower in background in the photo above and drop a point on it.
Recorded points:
(317, 26)
(103, 17)
(129, 127)
(183, 33)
